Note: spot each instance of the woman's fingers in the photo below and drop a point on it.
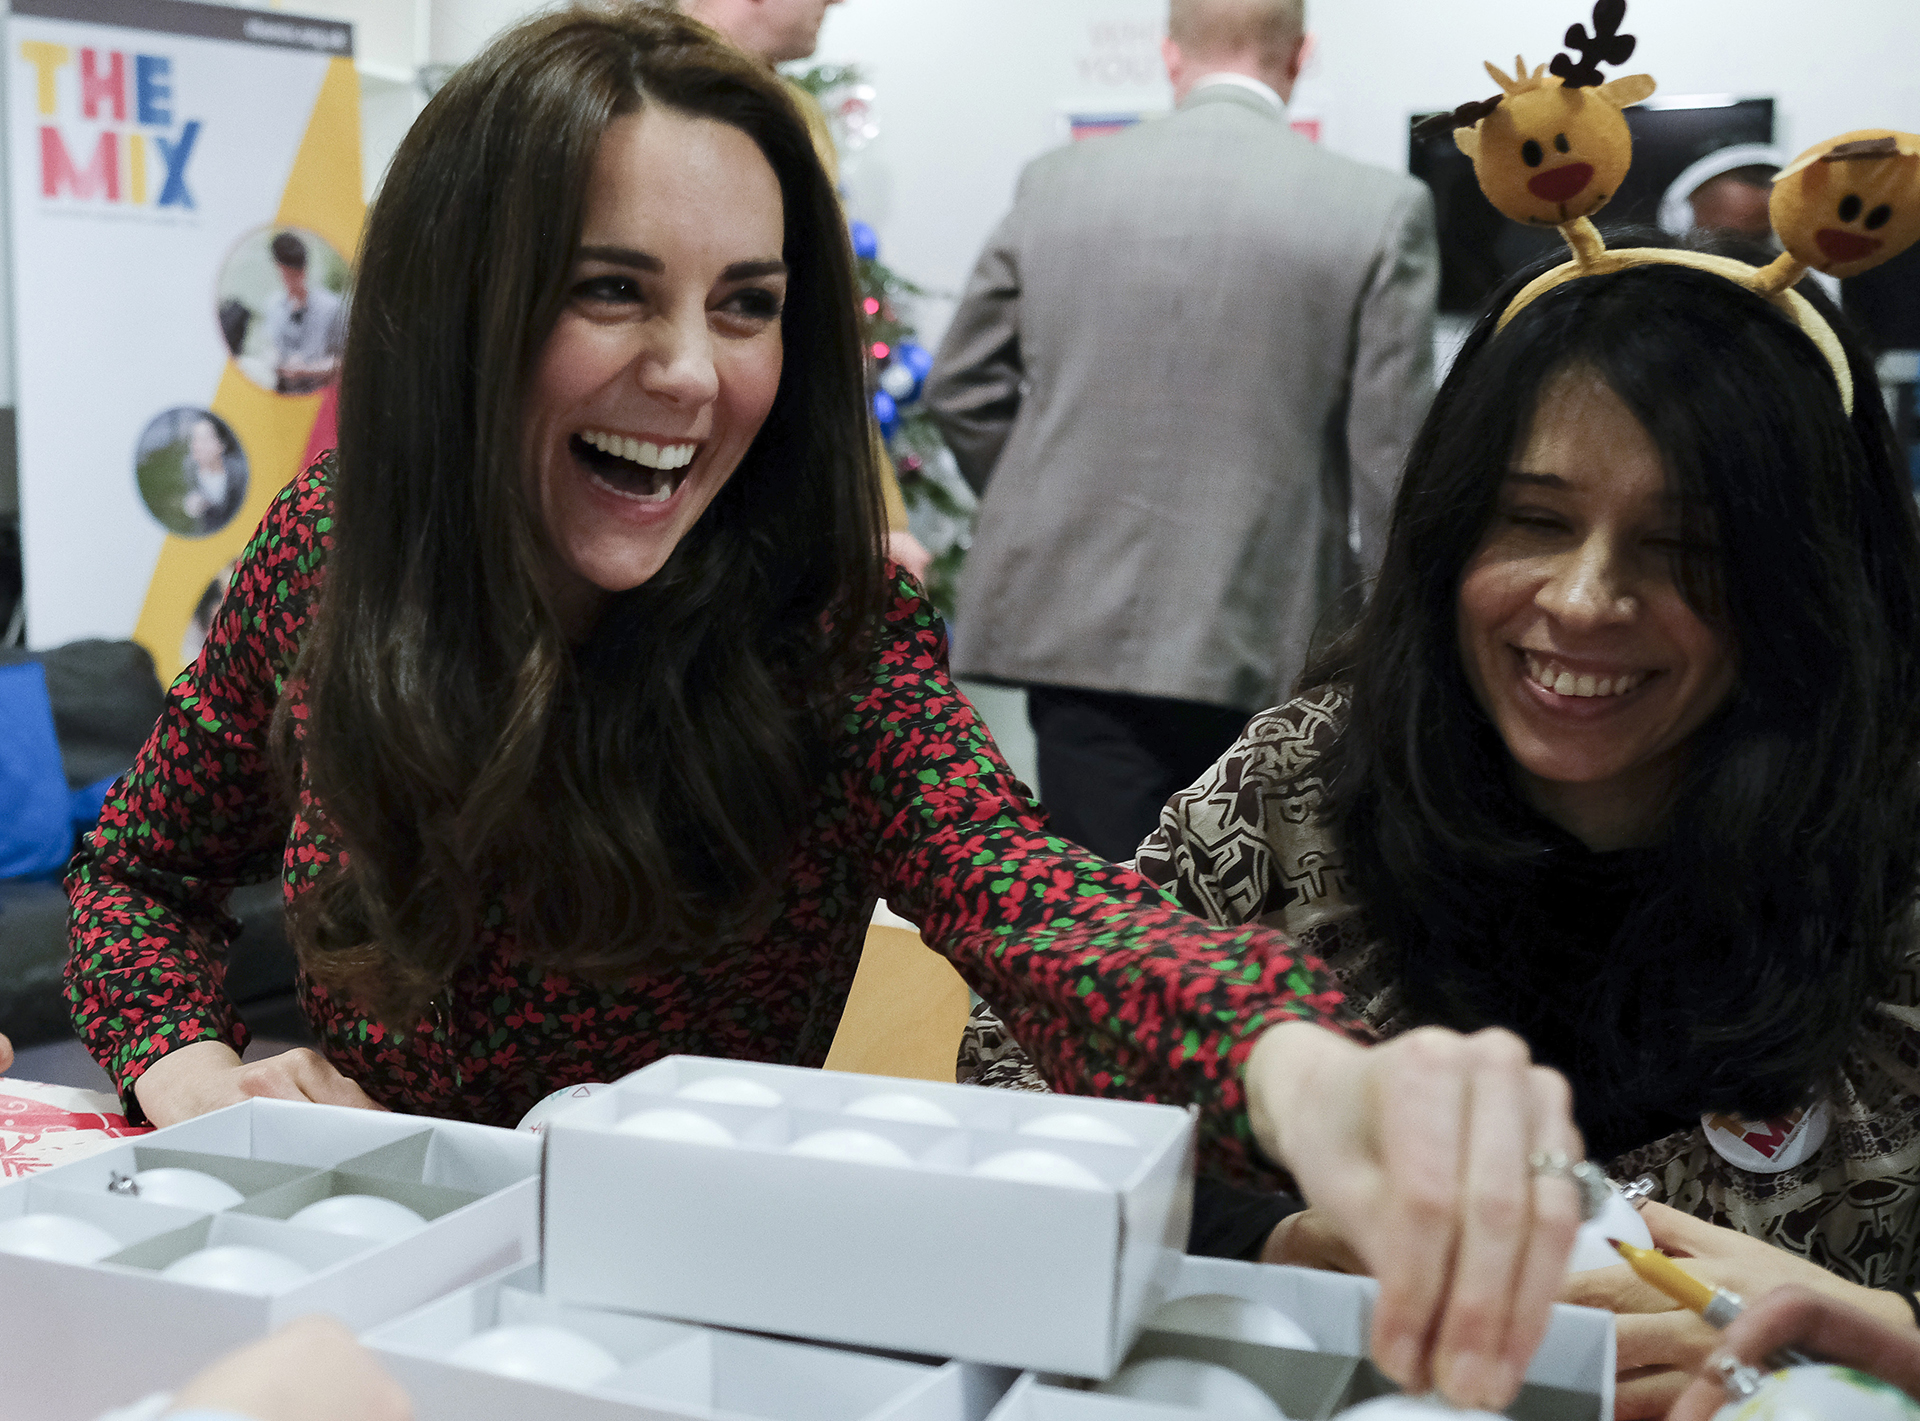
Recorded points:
(301, 1074)
(6, 1055)
(1548, 1240)
(1677, 1234)
(1496, 1221)
(1418, 1150)
(1797, 1317)
(1618, 1290)
(1648, 1394)
(1418, 1098)
(1676, 1338)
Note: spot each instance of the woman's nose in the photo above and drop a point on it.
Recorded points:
(1590, 585)
(677, 366)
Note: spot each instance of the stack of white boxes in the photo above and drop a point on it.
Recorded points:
(739, 1206)
(80, 1338)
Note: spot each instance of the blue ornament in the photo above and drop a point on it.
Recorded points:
(866, 241)
(886, 412)
(916, 358)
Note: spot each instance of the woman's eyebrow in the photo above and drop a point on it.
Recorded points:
(622, 256)
(746, 271)
(1522, 476)
(646, 261)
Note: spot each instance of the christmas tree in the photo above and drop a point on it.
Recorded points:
(939, 502)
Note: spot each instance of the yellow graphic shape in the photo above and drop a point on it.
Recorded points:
(46, 60)
(323, 195)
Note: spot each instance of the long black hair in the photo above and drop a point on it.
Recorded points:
(636, 798)
(1756, 933)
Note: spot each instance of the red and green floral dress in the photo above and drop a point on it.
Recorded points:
(1111, 989)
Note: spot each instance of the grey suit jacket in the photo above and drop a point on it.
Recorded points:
(1187, 366)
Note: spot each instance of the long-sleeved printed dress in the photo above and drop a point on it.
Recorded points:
(1112, 989)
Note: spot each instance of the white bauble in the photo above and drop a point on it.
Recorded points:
(1038, 1167)
(1077, 1125)
(1222, 1394)
(730, 1090)
(899, 1105)
(537, 1352)
(238, 1268)
(1223, 1315)
(853, 1146)
(60, 1237)
(683, 1126)
(1822, 1393)
(360, 1216)
(186, 1189)
(556, 1103)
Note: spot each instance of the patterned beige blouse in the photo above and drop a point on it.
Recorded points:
(1838, 1183)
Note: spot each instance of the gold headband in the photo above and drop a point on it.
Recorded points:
(1551, 148)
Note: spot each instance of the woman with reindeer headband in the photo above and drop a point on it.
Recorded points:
(1624, 755)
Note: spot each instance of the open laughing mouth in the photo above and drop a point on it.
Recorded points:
(1549, 675)
(633, 468)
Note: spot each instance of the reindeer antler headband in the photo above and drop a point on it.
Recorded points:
(1551, 148)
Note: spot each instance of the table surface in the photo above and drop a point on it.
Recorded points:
(44, 1125)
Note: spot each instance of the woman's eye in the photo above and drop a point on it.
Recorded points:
(607, 288)
(1534, 521)
(755, 303)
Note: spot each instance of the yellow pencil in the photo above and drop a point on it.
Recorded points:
(1717, 1306)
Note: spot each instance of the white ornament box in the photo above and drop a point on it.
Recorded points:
(1003, 1227)
(82, 1337)
(649, 1370)
(1321, 1375)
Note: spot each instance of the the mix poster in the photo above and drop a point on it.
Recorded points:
(185, 200)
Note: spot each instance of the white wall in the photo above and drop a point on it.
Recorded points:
(968, 90)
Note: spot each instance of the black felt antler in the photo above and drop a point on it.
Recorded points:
(1466, 116)
(1606, 45)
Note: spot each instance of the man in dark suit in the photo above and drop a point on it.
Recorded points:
(1184, 376)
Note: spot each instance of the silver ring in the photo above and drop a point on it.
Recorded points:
(1550, 1162)
(1592, 1182)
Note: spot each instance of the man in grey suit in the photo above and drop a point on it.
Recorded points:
(1183, 377)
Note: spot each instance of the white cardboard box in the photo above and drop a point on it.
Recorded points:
(925, 1257)
(670, 1371)
(1571, 1377)
(81, 1338)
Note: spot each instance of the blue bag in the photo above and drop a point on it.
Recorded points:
(36, 826)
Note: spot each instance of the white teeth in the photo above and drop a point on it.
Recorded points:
(636, 451)
(1565, 683)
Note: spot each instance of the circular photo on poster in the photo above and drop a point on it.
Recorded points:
(282, 308)
(201, 623)
(191, 470)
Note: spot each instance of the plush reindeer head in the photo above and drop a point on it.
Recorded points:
(1554, 146)
(1851, 202)
(1550, 150)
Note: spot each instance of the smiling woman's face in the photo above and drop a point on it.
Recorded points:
(1574, 633)
(666, 356)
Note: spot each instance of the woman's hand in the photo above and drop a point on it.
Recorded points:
(310, 1370)
(1309, 1239)
(1798, 1317)
(1662, 1344)
(1416, 1152)
(208, 1075)
(6, 1055)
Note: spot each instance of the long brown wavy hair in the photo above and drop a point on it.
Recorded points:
(625, 801)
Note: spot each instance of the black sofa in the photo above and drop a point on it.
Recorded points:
(106, 698)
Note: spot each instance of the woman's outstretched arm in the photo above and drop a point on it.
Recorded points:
(1419, 1149)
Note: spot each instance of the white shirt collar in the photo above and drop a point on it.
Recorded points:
(1243, 81)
